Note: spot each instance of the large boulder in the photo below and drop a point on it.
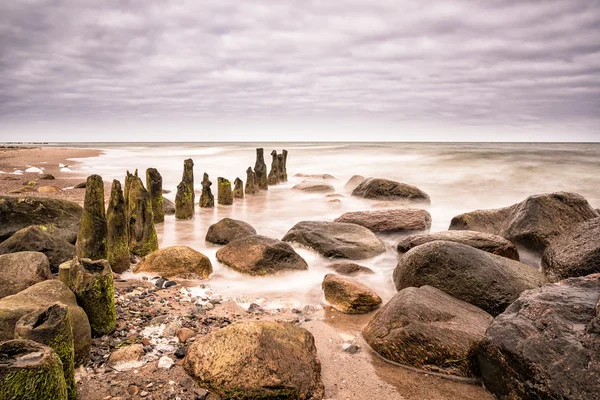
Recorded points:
(385, 189)
(390, 220)
(546, 345)
(480, 240)
(260, 255)
(176, 261)
(533, 223)
(60, 218)
(40, 295)
(574, 253)
(33, 238)
(349, 296)
(20, 270)
(336, 239)
(485, 280)
(314, 187)
(228, 230)
(428, 329)
(257, 360)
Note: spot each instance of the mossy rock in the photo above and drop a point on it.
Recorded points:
(92, 235)
(117, 240)
(142, 234)
(154, 184)
(260, 168)
(225, 192)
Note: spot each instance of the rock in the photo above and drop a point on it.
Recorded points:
(92, 236)
(238, 189)
(142, 234)
(317, 176)
(154, 183)
(353, 182)
(92, 283)
(335, 195)
(350, 269)
(483, 241)
(273, 178)
(129, 178)
(126, 355)
(169, 206)
(545, 346)
(207, 200)
(282, 166)
(32, 239)
(574, 253)
(176, 261)
(9, 178)
(533, 223)
(117, 234)
(389, 221)
(224, 192)
(18, 271)
(188, 176)
(183, 334)
(485, 280)
(428, 329)
(251, 186)
(336, 239)
(350, 348)
(47, 177)
(258, 359)
(23, 189)
(49, 189)
(348, 296)
(165, 362)
(80, 185)
(184, 207)
(228, 230)
(260, 255)
(314, 187)
(30, 370)
(60, 218)
(385, 189)
(260, 168)
(40, 295)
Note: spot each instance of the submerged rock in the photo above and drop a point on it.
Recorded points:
(257, 360)
(224, 193)
(154, 183)
(20, 270)
(47, 177)
(142, 234)
(260, 168)
(428, 329)
(389, 221)
(228, 230)
(353, 182)
(207, 200)
(323, 177)
(350, 269)
(251, 185)
(274, 174)
(117, 227)
(314, 187)
(385, 189)
(546, 345)
(348, 296)
(260, 255)
(238, 189)
(483, 241)
(91, 238)
(176, 261)
(485, 280)
(336, 239)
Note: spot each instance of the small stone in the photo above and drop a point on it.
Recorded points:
(170, 283)
(180, 352)
(350, 348)
(144, 393)
(133, 390)
(208, 306)
(183, 334)
(165, 362)
(160, 283)
(255, 308)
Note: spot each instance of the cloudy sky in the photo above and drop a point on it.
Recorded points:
(299, 70)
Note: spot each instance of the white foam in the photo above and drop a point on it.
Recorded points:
(34, 170)
(65, 169)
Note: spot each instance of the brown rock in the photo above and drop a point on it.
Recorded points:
(176, 261)
(49, 189)
(183, 334)
(349, 296)
(389, 221)
(350, 269)
(385, 189)
(20, 270)
(314, 187)
(228, 230)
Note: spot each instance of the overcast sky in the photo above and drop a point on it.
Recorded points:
(153, 70)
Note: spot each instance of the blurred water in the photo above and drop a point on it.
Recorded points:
(459, 177)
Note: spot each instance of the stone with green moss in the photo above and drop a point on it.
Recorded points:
(51, 326)
(184, 201)
(284, 166)
(92, 235)
(117, 238)
(224, 192)
(273, 178)
(238, 189)
(30, 370)
(154, 185)
(251, 187)
(129, 178)
(142, 234)
(261, 169)
(207, 200)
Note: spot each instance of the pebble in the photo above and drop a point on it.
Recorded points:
(350, 348)
(208, 306)
(180, 352)
(165, 362)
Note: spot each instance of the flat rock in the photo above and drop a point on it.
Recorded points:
(125, 357)
(350, 269)
(428, 329)
(228, 230)
(314, 187)
(485, 280)
(349, 296)
(389, 221)
(47, 177)
(385, 189)
(336, 239)
(176, 261)
(20, 270)
(260, 255)
(546, 345)
(480, 240)
(49, 189)
(316, 176)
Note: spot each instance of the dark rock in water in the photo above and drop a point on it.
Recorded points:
(80, 185)
(336, 239)
(92, 236)
(224, 192)
(348, 296)
(176, 261)
(323, 177)
(154, 183)
(33, 238)
(184, 203)
(238, 189)
(353, 182)
(284, 177)
(273, 178)
(251, 185)
(47, 177)
(228, 230)
(40, 295)
(428, 329)
(160, 283)
(545, 345)
(573, 253)
(257, 360)
(260, 255)
(207, 200)
(260, 168)
(168, 284)
(188, 176)
(385, 189)
(129, 178)
(485, 280)
(314, 187)
(533, 223)
(169, 206)
(350, 269)
(483, 241)
(117, 228)
(280, 172)
(142, 234)
(59, 218)
(20, 270)
(389, 221)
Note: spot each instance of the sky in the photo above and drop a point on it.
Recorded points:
(221, 70)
